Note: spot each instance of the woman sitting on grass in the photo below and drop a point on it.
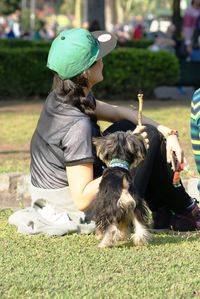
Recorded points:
(65, 172)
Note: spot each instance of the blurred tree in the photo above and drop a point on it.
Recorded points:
(26, 22)
(67, 7)
(110, 14)
(78, 12)
(96, 12)
(124, 9)
(127, 8)
(176, 17)
(9, 6)
(71, 7)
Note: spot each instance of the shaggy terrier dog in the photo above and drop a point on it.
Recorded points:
(117, 208)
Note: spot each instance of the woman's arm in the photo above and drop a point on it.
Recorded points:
(114, 113)
(82, 186)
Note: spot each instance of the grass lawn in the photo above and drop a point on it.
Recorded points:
(18, 121)
(72, 267)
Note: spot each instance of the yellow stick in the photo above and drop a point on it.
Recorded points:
(140, 98)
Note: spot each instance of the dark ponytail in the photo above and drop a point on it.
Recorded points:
(71, 92)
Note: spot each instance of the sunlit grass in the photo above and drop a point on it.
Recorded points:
(72, 267)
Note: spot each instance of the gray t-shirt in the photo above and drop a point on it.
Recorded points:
(63, 137)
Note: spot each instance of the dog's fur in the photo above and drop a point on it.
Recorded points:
(117, 208)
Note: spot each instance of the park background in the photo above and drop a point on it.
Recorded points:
(73, 266)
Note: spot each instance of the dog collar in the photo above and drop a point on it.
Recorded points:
(119, 163)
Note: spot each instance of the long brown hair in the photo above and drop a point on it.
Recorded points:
(71, 92)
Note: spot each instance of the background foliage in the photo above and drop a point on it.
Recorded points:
(23, 70)
(9, 6)
(134, 70)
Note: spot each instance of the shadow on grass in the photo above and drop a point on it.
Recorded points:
(7, 152)
(163, 239)
(175, 238)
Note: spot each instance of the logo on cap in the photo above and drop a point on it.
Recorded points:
(104, 37)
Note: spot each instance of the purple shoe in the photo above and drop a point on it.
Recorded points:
(161, 220)
(188, 222)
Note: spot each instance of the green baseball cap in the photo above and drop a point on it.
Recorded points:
(75, 50)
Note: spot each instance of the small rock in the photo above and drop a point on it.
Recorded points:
(4, 182)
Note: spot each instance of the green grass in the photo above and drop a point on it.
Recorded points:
(72, 267)
(18, 129)
(18, 121)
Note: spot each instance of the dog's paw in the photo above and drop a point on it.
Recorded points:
(141, 240)
(103, 245)
(99, 235)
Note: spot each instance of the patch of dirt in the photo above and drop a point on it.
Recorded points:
(14, 106)
(8, 200)
(10, 149)
(11, 106)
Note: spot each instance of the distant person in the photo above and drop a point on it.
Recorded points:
(13, 29)
(16, 27)
(94, 26)
(195, 54)
(189, 23)
(43, 32)
(9, 34)
(138, 31)
(122, 35)
(166, 42)
(85, 25)
(195, 129)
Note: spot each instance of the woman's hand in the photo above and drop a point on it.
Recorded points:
(173, 147)
(141, 130)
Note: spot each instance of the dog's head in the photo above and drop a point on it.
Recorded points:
(125, 146)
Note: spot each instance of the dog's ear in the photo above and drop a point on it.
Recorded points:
(136, 146)
(125, 183)
(99, 143)
(95, 140)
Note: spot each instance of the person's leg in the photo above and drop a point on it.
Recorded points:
(164, 198)
(160, 182)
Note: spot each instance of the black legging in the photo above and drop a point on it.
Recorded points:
(153, 177)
